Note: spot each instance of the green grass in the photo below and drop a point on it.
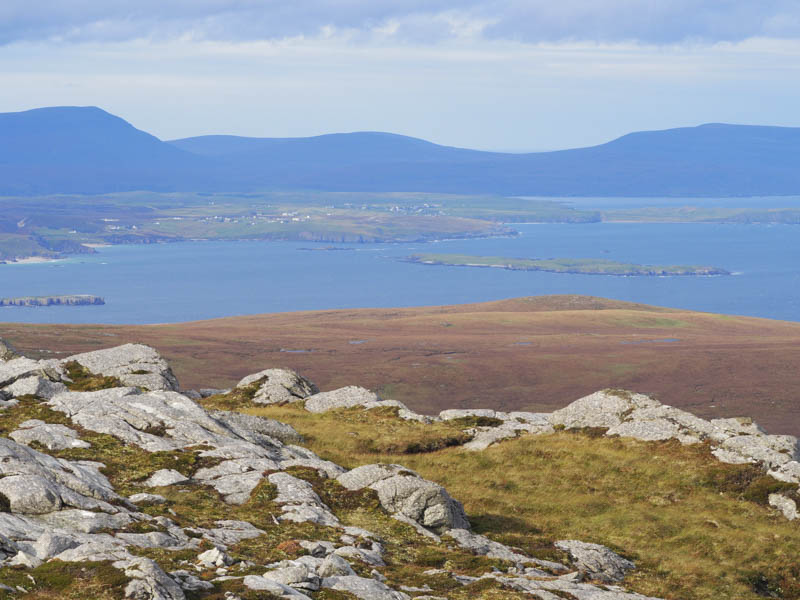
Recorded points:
(698, 529)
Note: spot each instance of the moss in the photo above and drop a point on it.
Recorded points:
(84, 380)
(59, 580)
(475, 421)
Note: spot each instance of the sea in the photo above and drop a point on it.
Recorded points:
(188, 281)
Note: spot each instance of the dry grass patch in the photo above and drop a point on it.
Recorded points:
(697, 528)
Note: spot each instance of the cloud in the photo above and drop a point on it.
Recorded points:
(411, 21)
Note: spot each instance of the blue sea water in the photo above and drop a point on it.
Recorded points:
(202, 280)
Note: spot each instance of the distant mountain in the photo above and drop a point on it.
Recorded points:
(85, 150)
(69, 149)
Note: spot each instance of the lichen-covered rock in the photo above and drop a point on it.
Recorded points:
(462, 413)
(787, 506)
(361, 587)
(165, 477)
(51, 436)
(403, 491)
(772, 450)
(601, 409)
(35, 385)
(335, 566)
(296, 575)
(299, 501)
(258, 430)
(21, 367)
(596, 561)
(35, 483)
(483, 546)
(135, 365)
(275, 589)
(662, 423)
(346, 397)
(278, 385)
(148, 581)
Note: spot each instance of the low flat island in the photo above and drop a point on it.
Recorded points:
(584, 266)
(69, 300)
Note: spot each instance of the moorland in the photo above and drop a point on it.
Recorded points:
(536, 353)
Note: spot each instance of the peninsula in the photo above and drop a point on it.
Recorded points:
(584, 266)
(72, 300)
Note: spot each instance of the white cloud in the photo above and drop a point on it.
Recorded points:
(415, 21)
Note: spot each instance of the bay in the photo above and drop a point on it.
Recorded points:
(201, 280)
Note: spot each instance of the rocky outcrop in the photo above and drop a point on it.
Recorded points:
(55, 508)
(134, 365)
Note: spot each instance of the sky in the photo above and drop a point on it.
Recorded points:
(513, 75)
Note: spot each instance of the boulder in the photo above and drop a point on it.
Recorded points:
(165, 477)
(278, 385)
(602, 409)
(299, 501)
(335, 566)
(346, 397)
(275, 589)
(403, 491)
(595, 561)
(135, 365)
(257, 429)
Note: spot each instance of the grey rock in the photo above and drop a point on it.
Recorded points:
(738, 426)
(190, 582)
(403, 491)
(49, 544)
(85, 521)
(279, 590)
(21, 367)
(317, 549)
(771, 450)
(134, 365)
(787, 506)
(36, 483)
(148, 581)
(230, 532)
(296, 575)
(23, 559)
(461, 413)
(665, 422)
(278, 385)
(35, 385)
(601, 409)
(165, 477)
(483, 546)
(346, 397)
(334, 566)
(235, 479)
(410, 415)
(215, 557)
(361, 587)
(371, 556)
(596, 561)
(788, 472)
(144, 498)
(51, 436)
(258, 430)
(299, 502)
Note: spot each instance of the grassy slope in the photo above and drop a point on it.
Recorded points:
(696, 528)
(531, 353)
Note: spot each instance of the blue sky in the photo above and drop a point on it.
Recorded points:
(493, 74)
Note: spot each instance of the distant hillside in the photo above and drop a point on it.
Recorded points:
(86, 150)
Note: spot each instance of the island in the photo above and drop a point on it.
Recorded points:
(69, 300)
(583, 266)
